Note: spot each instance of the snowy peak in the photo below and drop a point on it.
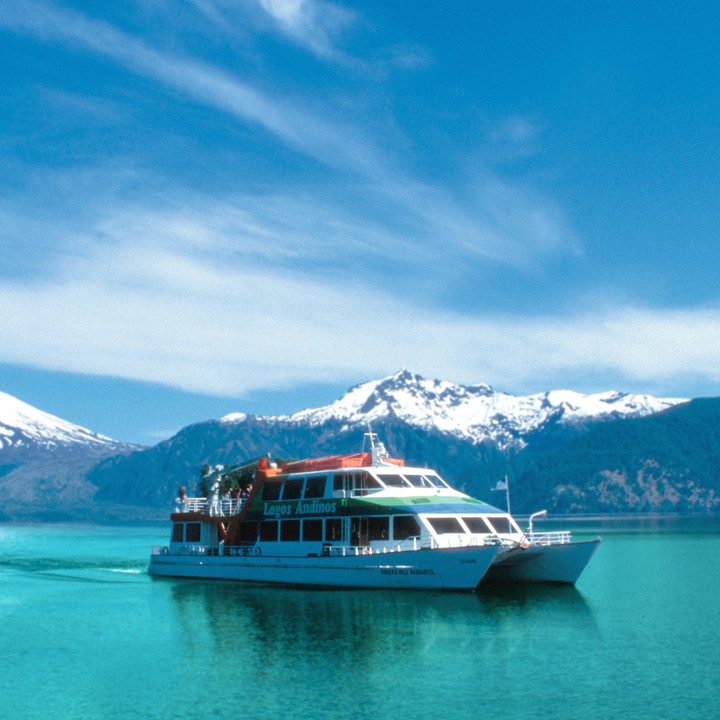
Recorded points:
(23, 426)
(476, 412)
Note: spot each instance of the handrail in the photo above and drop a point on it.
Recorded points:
(225, 506)
(558, 537)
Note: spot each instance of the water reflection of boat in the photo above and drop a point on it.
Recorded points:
(363, 520)
(350, 629)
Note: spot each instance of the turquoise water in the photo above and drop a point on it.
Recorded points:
(85, 633)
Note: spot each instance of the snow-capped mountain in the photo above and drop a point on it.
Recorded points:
(50, 468)
(23, 427)
(43, 463)
(474, 413)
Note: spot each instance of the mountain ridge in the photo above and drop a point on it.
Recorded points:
(475, 412)
(471, 434)
(44, 461)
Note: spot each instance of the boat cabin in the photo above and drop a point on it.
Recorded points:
(303, 510)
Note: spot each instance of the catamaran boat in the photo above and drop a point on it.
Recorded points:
(364, 520)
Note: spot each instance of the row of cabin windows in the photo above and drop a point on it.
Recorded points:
(361, 529)
(355, 481)
(186, 532)
(294, 488)
(475, 524)
(361, 481)
(314, 487)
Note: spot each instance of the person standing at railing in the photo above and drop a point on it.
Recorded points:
(181, 501)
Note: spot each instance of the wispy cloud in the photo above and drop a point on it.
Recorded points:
(252, 290)
(313, 24)
(306, 132)
(499, 221)
(164, 309)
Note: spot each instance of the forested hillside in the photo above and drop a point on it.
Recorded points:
(668, 462)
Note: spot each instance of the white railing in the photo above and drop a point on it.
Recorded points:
(223, 506)
(407, 545)
(412, 543)
(560, 537)
(184, 550)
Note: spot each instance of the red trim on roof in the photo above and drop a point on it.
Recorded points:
(333, 462)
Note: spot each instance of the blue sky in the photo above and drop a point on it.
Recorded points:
(220, 205)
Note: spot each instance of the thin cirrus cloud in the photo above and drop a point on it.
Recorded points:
(308, 133)
(170, 316)
(486, 225)
(313, 24)
(167, 300)
(184, 293)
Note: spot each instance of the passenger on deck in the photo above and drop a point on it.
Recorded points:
(181, 501)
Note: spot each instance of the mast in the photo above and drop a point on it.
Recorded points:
(378, 451)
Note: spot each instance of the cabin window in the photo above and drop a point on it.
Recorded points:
(420, 480)
(378, 528)
(293, 488)
(290, 530)
(475, 524)
(192, 532)
(247, 532)
(269, 530)
(501, 524)
(333, 529)
(393, 480)
(177, 533)
(446, 525)
(366, 481)
(315, 487)
(354, 481)
(271, 490)
(312, 530)
(355, 531)
(435, 479)
(405, 526)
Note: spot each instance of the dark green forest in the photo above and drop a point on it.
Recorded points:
(669, 462)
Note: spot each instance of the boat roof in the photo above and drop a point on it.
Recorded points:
(337, 462)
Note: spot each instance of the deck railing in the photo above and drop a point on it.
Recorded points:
(222, 506)
(407, 545)
(559, 537)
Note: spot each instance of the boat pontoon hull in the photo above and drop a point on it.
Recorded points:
(443, 568)
(559, 563)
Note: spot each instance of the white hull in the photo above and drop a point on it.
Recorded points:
(439, 568)
(560, 563)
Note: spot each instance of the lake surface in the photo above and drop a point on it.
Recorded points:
(86, 633)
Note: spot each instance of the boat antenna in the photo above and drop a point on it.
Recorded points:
(377, 449)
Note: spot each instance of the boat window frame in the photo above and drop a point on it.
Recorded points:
(401, 518)
(357, 482)
(312, 529)
(432, 476)
(504, 516)
(268, 490)
(480, 519)
(290, 530)
(295, 481)
(314, 482)
(334, 522)
(403, 482)
(375, 527)
(193, 532)
(247, 534)
(431, 520)
(427, 478)
(263, 531)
